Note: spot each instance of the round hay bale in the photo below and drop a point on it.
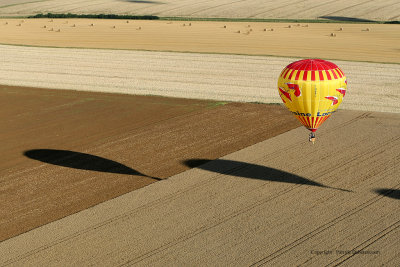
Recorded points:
(265, 29)
(341, 29)
(224, 26)
(333, 34)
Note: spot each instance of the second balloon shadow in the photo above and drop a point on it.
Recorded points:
(249, 170)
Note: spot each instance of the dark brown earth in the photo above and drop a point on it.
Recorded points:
(65, 151)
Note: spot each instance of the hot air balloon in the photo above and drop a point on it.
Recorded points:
(312, 89)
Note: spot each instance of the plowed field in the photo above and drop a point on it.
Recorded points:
(65, 151)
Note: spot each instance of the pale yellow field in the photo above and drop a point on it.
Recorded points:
(372, 86)
(359, 42)
(294, 9)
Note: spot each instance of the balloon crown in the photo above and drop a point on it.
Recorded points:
(312, 64)
(299, 70)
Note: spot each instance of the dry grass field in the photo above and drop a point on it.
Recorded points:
(294, 9)
(359, 42)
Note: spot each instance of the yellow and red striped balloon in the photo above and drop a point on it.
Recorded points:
(312, 89)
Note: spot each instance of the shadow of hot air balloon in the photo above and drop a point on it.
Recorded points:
(248, 170)
(392, 193)
(82, 161)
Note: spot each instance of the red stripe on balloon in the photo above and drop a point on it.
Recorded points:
(291, 75)
(305, 75)
(341, 72)
(309, 122)
(321, 76)
(298, 117)
(286, 73)
(297, 75)
(334, 74)
(317, 119)
(328, 75)
(302, 120)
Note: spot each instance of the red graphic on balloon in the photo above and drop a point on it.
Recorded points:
(342, 91)
(285, 93)
(294, 87)
(333, 98)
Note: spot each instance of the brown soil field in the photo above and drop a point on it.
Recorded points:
(280, 202)
(65, 151)
(359, 42)
(349, 10)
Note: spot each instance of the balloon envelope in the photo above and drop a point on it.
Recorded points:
(312, 89)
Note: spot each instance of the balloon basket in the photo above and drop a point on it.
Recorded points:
(311, 138)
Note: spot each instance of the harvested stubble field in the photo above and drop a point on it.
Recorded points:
(372, 86)
(360, 42)
(349, 10)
